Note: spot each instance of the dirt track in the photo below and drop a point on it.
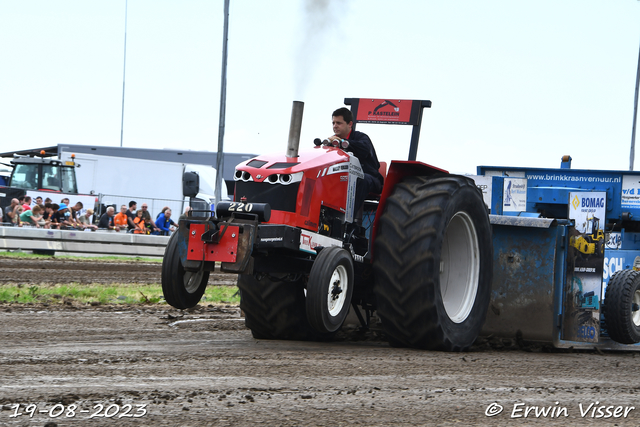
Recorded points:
(202, 367)
(29, 271)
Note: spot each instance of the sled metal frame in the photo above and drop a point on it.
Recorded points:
(528, 288)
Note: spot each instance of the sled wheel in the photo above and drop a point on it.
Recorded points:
(433, 263)
(622, 307)
(274, 308)
(181, 288)
(329, 289)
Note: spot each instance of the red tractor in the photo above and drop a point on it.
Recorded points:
(419, 254)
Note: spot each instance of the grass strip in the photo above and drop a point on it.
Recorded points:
(98, 294)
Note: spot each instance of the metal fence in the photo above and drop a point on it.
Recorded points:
(100, 242)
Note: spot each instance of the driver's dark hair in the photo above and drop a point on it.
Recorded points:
(345, 113)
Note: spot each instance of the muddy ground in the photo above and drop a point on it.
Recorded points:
(59, 270)
(157, 366)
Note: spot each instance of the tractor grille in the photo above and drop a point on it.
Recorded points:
(280, 197)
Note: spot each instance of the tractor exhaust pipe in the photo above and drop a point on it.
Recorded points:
(295, 128)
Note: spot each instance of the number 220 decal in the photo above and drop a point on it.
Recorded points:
(240, 207)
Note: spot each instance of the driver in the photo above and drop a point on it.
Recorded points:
(362, 147)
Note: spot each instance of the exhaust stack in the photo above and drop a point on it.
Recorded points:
(295, 128)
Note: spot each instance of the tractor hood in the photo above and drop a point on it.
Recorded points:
(271, 167)
(298, 188)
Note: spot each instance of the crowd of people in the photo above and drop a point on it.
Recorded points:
(39, 213)
(137, 221)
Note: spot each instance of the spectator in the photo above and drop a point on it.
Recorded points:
(131, 216)
(86, 221)
(61, 218)
(66, 202)
(54, 216)
(33, 217)
(75, 213)
(121, 218)
(9, 213)
(165, 223)
(161, 212)
(27, 203)
(49, 209)
(150, 226)
(147, 217)
(48, 200)
(17, 211)
(139, 223)
(68, 221)
(40, 203)
(106, 220)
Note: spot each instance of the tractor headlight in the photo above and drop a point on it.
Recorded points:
(240, 175)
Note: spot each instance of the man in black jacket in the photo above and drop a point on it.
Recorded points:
(106, 220)
(361, 146)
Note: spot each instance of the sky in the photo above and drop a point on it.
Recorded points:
(512, 82)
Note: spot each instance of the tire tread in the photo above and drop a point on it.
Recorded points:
(273, 309)
(617, 306)
(173, 289)
(405, 263)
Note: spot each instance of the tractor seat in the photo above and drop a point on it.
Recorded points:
(364, 216)
(374, 197)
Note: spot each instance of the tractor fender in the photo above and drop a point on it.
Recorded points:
(398, 170)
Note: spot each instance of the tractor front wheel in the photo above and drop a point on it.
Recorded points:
(433, 263)
(329, 289)
(182, 289)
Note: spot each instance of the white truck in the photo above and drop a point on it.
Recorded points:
(118, 180)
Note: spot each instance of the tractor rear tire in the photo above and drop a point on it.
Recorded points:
(433, 259)
(622, 307)
(182, 289)
(329, 289)
(273, 308)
